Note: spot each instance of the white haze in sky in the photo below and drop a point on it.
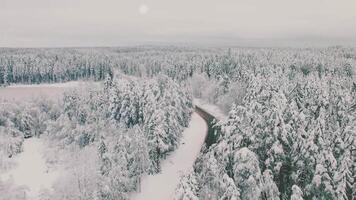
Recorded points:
(27, 23)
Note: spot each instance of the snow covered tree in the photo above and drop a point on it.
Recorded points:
(322, 187)
(231, 190)
(343, 177)
(247, 174)
(137, 155)
(209, 177)
(187, 188)
(297, 193)
(268, 187)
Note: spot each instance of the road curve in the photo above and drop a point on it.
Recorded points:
(212, 135)
(162, 186)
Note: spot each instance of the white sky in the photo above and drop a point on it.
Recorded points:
(124, 22)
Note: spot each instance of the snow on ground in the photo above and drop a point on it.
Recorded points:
(162, 186)
(19, 92)
(47, 85)
(31, 169)
(212, 109)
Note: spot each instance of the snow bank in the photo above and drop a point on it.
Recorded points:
(31, 170)
(162, 186)
(212, 109)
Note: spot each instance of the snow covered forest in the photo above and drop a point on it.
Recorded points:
(289, 130)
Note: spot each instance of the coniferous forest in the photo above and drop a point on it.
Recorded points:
(289, 130)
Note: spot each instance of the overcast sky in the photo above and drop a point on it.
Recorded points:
(35, 23)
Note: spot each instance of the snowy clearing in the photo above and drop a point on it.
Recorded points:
(48, 85)
(163, 185)
(20, 92)
(212, 109)
(31, 169)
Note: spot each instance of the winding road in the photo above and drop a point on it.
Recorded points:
(162, 186)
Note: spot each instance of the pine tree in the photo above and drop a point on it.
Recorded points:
(187, 188)
(269, 187)
(322, 187)
(231, 192)
(297, 193)
(247, 174)
(343, 177)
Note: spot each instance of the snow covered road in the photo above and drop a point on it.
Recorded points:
(162, 186)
